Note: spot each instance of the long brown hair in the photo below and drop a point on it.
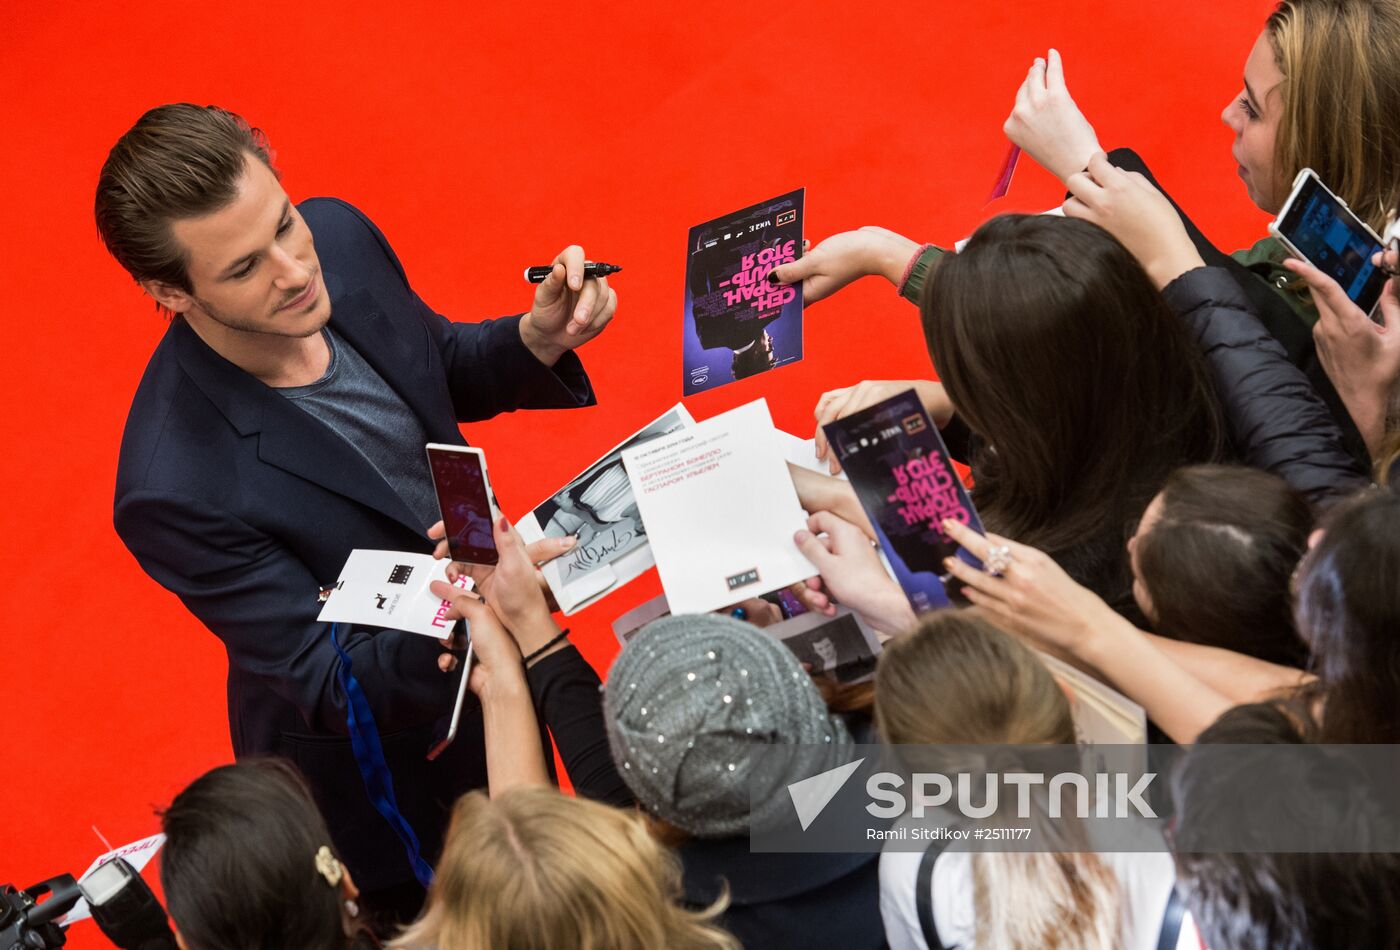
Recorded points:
(1059, 352)
(535, 869)
(1348, 609)
(1340, 61)
(958, 680)
(240, 866)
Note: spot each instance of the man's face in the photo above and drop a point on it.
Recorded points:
(252, 264)
(825, 649)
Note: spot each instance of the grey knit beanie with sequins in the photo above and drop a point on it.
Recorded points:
(707, 714)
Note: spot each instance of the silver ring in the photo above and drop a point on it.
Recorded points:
(998, 560)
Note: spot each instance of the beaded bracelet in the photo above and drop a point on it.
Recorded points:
(563, 634)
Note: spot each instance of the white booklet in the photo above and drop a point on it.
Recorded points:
(1102, 715)
(390, 589)
(597, 507)
(720, 510)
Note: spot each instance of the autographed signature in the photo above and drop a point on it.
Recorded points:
(603, 548)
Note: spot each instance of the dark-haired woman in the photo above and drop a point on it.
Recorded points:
(248, 863)
(1070, 389)
(1213, 558)
(1081, 395)
(1347, 610)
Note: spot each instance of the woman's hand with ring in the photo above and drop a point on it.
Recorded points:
(1033, 597)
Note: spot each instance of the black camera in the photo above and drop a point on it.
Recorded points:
(122, 905)
(26, 923)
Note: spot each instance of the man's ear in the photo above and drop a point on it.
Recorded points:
(168, 296)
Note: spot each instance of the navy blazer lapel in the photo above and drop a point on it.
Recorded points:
(404, 357)
(288, 437)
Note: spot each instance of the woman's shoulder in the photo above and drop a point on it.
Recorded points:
(1264, 258)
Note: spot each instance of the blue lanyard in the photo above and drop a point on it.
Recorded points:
(369, 756)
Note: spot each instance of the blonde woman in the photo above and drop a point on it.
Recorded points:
(957, 680)
(1321, 90)
(534, 869)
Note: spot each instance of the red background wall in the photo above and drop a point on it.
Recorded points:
(482, 138)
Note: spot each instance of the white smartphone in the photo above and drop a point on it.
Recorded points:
(1317, 226)
(441, 745)
(465, 502)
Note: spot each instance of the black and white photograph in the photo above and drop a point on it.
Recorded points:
(836, 645)
(598, 508)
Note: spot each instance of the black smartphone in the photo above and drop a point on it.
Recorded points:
(464, 500)
(1317, 226)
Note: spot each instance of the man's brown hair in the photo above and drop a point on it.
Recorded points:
(177, 161)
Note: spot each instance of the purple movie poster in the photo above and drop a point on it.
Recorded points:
(737, 324)
(900, 469)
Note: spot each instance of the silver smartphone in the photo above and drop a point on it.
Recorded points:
(466, 665)
(1317, 226)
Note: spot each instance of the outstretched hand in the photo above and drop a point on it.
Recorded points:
(539, 552)
(817, 492)
(851, 572)
(845, 257)
(840, 403)
(1033, 597)
(1047, 123)
(514, 586)
(495, 652)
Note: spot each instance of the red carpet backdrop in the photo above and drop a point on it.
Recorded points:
(482, 138)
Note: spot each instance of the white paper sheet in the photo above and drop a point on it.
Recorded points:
(390, 589)
(720, 510)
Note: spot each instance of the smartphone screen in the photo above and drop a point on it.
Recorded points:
(1334, 241)
(459, 476)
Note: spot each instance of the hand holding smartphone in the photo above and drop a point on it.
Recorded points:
(1317, 226)
(465, 502)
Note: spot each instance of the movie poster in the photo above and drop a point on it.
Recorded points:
(897, 462)
(737, 324)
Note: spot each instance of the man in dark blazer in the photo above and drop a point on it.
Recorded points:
(281, 423)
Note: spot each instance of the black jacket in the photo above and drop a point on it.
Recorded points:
(781, 901)
(243, 505)
(1268, 308)
(1275, 420)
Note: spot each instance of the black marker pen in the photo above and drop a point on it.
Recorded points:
(537, 275)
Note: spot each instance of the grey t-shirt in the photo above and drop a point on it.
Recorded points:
(358, 405)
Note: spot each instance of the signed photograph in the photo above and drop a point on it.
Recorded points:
(598, 508)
